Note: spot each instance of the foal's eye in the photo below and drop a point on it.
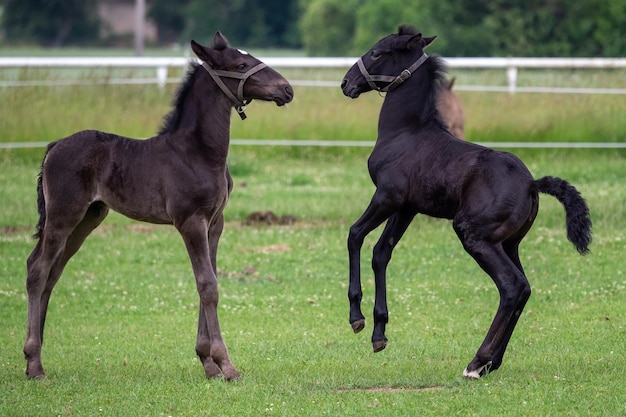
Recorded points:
(241, 67)
(376, 55)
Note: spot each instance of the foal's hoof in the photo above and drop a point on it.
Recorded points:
(35, 373)
(358, 325)
(211, 370)
(379, 345)
(477, 373)
(232, 375)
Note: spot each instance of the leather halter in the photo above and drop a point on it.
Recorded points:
(239, 101)
(393, 81)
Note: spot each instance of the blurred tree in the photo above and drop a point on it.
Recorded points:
(470, 27)
(51, 22)
(271, 23)
(169, 18)
(347, 27)
(531, 27)
(375, 19)
(282, 21)
(327, 27)
(460, 27)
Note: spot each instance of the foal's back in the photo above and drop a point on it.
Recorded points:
(436, 174)
(128, 175)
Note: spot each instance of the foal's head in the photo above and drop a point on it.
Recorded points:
(388, 63)
(246, 77)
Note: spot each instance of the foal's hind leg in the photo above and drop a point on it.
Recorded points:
(45, 266)
(394, 230)
(514, 292)
(511, 250)
(94, 216)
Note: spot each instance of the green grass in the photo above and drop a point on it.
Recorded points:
(121, 330)
(120, 334)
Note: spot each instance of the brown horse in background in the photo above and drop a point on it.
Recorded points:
(178, 177)
(451, 110)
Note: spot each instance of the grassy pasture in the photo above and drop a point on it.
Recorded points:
(121, 327)
(316, 113)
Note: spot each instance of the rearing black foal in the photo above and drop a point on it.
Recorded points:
(419, 167)
(178, 177)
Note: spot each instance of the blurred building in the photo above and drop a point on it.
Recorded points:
(118, 21)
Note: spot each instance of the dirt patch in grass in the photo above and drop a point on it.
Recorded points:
(389, 389)
(16, 230)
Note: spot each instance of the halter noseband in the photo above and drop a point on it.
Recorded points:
(240, 102)
(393, 81)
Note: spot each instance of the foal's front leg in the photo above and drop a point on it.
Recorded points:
(394, 230)
(373, 217)
(210, 346)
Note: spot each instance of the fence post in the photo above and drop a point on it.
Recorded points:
(161, 73)
(511, 77)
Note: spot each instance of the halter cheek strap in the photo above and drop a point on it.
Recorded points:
(394, 81)
(239, 101)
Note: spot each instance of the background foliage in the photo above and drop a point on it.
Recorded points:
(340, 27)
(49, 22)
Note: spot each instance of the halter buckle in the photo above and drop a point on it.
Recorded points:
(404, 75)
(240, 111)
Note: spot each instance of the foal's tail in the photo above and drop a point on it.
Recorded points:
(41, 201)
(578, 222)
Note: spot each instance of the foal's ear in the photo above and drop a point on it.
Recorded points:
(419, 40)
(428, 41)
(219, 41)
(205, 54)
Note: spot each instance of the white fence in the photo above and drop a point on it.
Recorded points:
(162, 65)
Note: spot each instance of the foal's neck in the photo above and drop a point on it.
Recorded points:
(205, 116)
(411, 106)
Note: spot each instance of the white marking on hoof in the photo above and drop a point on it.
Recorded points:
(476, 373)
(471, 375)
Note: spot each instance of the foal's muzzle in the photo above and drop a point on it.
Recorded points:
(285, 97)
(350, 89)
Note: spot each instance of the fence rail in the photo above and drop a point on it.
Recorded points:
(369, 144)
(162, 65)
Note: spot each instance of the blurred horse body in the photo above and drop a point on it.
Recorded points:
(449, 105)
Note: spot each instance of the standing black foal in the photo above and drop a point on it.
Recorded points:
(419, 167)
(178, 177)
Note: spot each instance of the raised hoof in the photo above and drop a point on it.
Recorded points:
(358, 325)
(477, 373)
(379, 345)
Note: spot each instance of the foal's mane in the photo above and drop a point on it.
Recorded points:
(172, 119)
(436, 70)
